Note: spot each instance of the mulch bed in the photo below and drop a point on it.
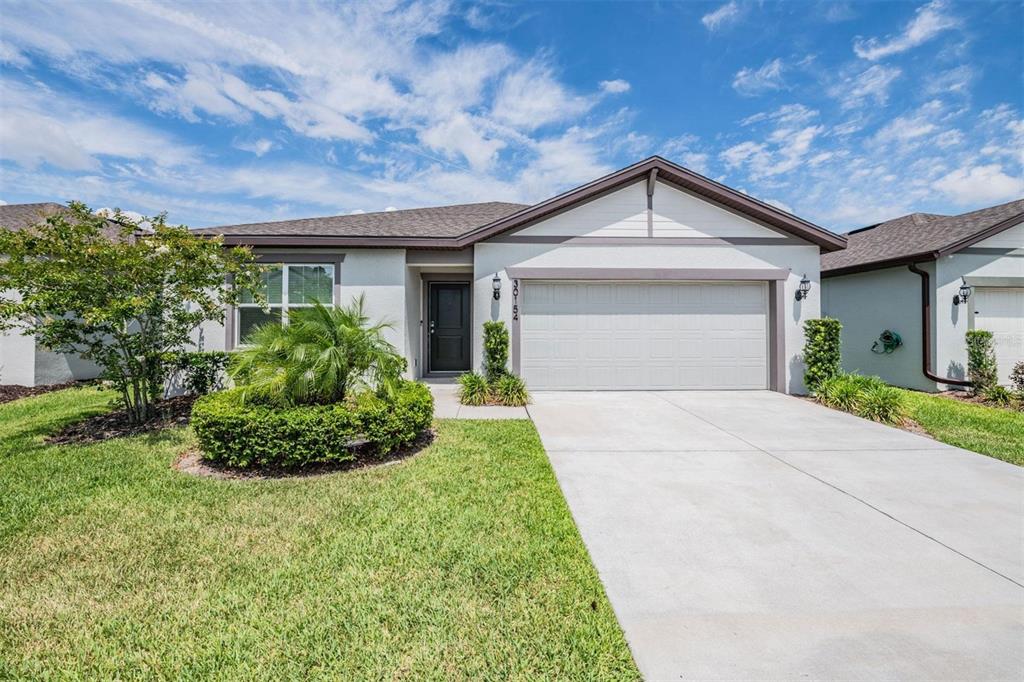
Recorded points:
(9, 392)
(170, 412)
(192, 462)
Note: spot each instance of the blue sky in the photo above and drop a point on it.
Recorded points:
(844, 113)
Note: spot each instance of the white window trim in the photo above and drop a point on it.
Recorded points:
(284, 305)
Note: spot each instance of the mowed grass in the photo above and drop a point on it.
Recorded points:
(460, 563)
(991, 431)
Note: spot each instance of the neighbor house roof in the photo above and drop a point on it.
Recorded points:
(462, 225)
(918, 237)
(19, 217)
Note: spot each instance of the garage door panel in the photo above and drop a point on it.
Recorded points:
(1001, 311)
(644, 335)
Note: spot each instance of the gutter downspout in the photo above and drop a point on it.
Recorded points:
(926, 330)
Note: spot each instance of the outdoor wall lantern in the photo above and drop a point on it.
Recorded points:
(804, 289)
(496, 285)
(965, 293)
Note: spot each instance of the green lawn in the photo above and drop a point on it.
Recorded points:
(991, 431)
(462, 562)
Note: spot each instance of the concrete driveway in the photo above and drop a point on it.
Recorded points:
(751, 535)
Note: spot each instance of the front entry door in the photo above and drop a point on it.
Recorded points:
(448, 327)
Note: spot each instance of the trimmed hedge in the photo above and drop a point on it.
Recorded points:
(821, 351)
(247, 434)
(981, 360)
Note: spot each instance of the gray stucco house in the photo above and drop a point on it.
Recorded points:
(652, 277)
(911, 275)
(22, 360)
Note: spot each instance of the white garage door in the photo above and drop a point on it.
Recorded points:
(618, 335)
(1001, 311)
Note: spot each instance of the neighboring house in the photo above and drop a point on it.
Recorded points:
(905, 275)
(22, 360)
(652, 277)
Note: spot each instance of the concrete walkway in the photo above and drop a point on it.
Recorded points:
(447, 406)
(753, 535)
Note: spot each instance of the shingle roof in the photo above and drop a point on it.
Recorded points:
(919, 236)
(17, 217)
(439, 222)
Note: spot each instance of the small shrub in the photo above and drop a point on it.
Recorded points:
(391, 423)
(510, 390)
(997, 395)
(881, 404)
(839, 392)
(821, 351)
(867, 397)
(981, 360)
(199, 372)
(495, 350)
(1017, 379)
(244, 434)
(473, 389)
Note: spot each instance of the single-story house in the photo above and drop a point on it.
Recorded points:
(22, 360)
(929, 278)
(652, 277)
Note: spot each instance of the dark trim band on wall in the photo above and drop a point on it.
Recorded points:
(571, 240)
(649, 274)
(997, 282)
(1009, 251)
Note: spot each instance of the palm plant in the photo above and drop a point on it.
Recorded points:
(320, 356)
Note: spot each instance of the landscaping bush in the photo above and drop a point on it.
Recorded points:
(981, 360)
(241, 433)
(199, 372)
(882, 404)
(867, 397)
(821, 351)
(1017, 380)
(321, 355)
(389, 423)
(997, 395)
(510, 390)
(495, 350)
(473, 389)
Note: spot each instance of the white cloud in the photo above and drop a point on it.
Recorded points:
(530, 97)
(723, 16)
(929, 21)
(12, 55)
(614, 87)
(459, 135)
(687, 150)
(259, 147)
(868, 86)
(980, 185)
(757, 81)
(40, 126)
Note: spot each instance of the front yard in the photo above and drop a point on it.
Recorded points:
(991, 431)
(462, 562)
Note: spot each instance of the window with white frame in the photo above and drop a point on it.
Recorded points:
(285, 287)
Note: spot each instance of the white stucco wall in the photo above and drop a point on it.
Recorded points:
(679, 214)
(380, 275)
(413, 321)
(868, 303)
(17, 359)
(952, 321)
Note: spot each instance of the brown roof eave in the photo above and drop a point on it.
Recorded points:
(673, 175)
(881, 264)
(981, 236)
(353, 242)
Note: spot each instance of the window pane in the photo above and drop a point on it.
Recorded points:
(308, 283)
(270, 287)
(250, 318)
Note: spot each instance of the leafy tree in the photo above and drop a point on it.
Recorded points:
(321, 355)
(116, 294)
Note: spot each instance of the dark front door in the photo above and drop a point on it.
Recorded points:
(448, 327)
